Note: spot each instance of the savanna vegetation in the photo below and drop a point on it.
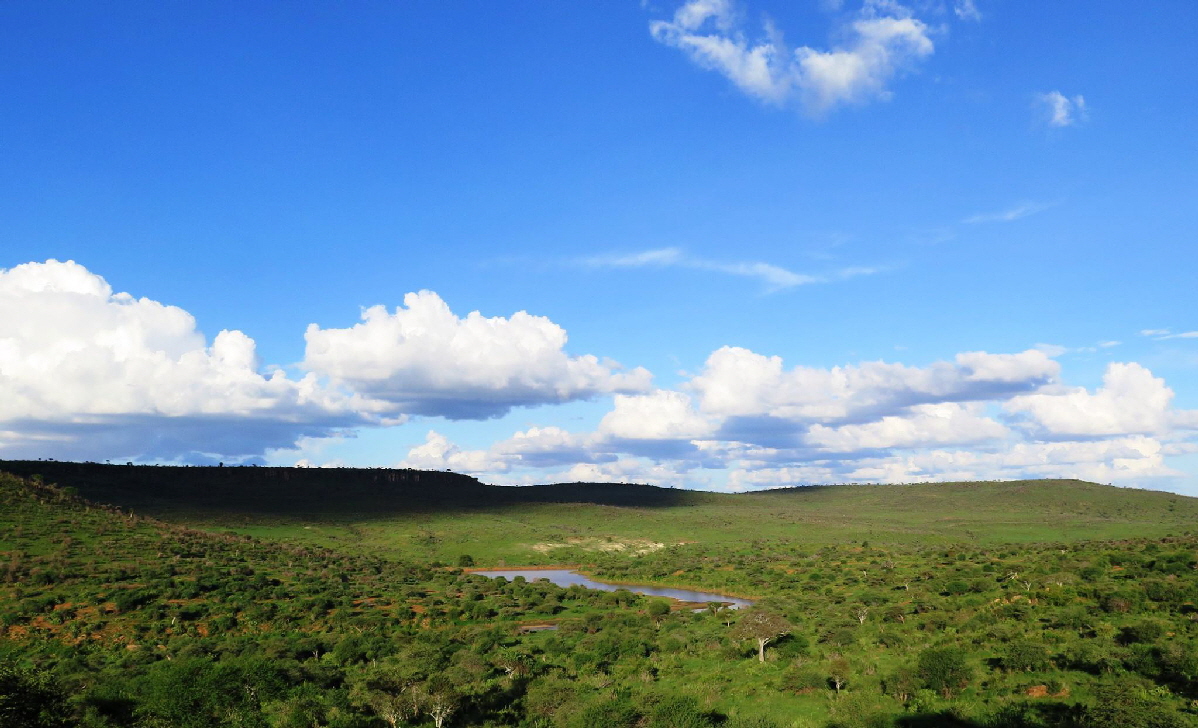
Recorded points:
(1000, 604)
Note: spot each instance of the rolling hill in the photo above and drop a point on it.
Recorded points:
(442, 515)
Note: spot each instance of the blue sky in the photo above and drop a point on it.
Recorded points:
(710, 244)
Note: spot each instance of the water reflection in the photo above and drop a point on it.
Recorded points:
(566, 578)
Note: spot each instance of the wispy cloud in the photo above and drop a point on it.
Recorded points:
(1056, 350)
(1022, 210)
(1062, 110)
(775, 278)
(967, 10)
(882, 41)
(1162, 334)
(1052, 350)
(661, 256)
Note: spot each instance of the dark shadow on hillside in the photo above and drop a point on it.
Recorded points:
(933, 720)
(320, 492)
(1013, 715)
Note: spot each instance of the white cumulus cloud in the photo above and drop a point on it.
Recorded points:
(746, 421)
(881, 42)
(739, 382)
(1127, 460)
(437, 452)
(423, 359)
(1130, 401)
(659, 415)
(89, 373)
(947, 423)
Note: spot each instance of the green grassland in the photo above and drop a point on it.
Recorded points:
(979, 605)
(990, 513)
(444, 516)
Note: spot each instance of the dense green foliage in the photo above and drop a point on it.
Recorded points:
(114, 619)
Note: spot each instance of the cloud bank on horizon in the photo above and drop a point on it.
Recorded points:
(89, 373)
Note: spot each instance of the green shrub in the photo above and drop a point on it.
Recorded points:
(30, 699)
(798, 679)
(944, 670)
(1124, 703)
(1148, 630)
(753, 722)
(615, 713)
(677, 711)
(1025, 657)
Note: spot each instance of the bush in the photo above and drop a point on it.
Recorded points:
(30, 700)
(902, 685)
(1148, 630)
(839, 637)
(131, 599)
(617, 713)
(944, 670)
(1124, 704)
(956, 588)
(1025, 657)
(678, 711)
(792, 646)
(755, 722)
(799, 679)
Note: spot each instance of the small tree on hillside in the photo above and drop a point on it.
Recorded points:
(838, 671)
(658, 609)
(763, 626)
(389, 689)
(945, 669)
(441, 701)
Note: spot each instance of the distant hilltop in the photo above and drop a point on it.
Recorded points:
(375, 504)
(315, 491)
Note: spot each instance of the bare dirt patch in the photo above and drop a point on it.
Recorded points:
(633, 546)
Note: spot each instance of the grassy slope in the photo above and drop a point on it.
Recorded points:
(444, 515)
(948, 513)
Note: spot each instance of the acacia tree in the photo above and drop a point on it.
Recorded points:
(394, 707)
(838, 671)
(514, 664)
(389, 689)
(441, 700)
(763, 626)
